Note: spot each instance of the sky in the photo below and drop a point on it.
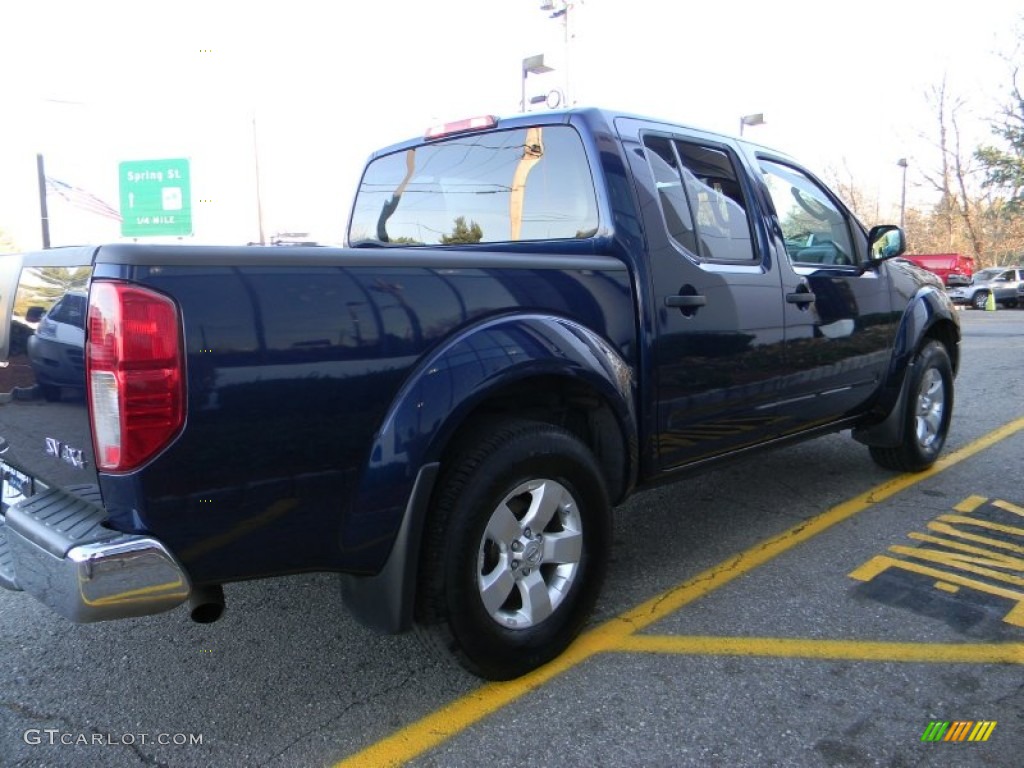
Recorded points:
(306, 90)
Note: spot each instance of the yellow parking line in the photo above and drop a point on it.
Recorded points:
(440, 725)
(970, 504)
(856, 650)
(672, 600)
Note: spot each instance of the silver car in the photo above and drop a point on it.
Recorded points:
(1005, 283)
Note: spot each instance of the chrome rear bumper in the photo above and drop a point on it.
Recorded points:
(53, 546)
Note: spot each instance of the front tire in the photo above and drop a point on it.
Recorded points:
(979, 300)
(928, 411)
(515, 550)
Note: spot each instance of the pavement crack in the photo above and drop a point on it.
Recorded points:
(43, 717)
(736, 563)
(1019, 693)
(324, 725)
(144, 758)
(71, 726)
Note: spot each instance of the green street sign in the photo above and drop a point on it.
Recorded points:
(156, 198)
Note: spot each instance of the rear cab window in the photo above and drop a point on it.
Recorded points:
(492, 187)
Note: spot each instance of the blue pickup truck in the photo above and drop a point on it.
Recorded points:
(533, 318)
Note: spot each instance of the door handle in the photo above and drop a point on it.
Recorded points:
(686, 302)
(800, 297)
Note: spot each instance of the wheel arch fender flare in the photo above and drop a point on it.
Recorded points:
(930, 315)
(443, 391)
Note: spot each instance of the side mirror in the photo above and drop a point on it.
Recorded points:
(34, 314)
(887, 241)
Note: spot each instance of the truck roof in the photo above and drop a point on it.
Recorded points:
(593, 115)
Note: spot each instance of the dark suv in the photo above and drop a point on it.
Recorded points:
(56, 349)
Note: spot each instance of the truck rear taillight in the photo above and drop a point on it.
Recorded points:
(135, 369)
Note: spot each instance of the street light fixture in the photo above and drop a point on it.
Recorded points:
(902, 163)
(756, 119)
(532, 65)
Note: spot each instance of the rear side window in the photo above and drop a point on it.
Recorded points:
(500, 186)
(701, 199)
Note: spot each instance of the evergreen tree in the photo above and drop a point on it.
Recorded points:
(1004, 167)
(463, 233)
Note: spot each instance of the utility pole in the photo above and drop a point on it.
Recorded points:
(563, 12)
(256, 167)
(44, 215)
(532, 65)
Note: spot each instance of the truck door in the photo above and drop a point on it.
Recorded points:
(839, 320)
(716, 304)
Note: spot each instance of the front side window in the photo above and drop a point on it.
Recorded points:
(701, 199)
(499, 186)
(815, 230)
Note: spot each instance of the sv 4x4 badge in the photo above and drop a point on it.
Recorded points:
(65, 453)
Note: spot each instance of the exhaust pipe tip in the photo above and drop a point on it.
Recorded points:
(206, 604)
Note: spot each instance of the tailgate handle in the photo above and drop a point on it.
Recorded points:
(800, 297)
(686, 302)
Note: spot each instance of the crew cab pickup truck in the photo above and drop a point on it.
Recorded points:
(533, 318)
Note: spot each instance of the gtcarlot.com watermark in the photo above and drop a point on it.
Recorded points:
(55, 736)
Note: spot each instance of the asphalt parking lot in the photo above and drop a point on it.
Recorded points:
(802, 608)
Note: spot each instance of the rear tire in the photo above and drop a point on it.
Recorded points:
(928, 411)
(515, 550)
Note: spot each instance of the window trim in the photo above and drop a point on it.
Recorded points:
(739, 169)
(847, 216)
(593, 203)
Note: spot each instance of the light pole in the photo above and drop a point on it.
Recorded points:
(560, 10)
(532, 65)
(256, 170)
(44, 215)
(756, 119)
(902, 163)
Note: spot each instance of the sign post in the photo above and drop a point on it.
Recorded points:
(156, 198)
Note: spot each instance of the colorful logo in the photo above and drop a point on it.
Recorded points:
(958, 730)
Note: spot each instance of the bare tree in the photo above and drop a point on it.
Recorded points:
(1004, 166)
(957, 209)
(1004, 175)
(863, 205)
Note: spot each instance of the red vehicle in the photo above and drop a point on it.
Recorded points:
(953, 268)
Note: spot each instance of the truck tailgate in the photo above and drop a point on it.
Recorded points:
(44, 420)
(54, 539)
